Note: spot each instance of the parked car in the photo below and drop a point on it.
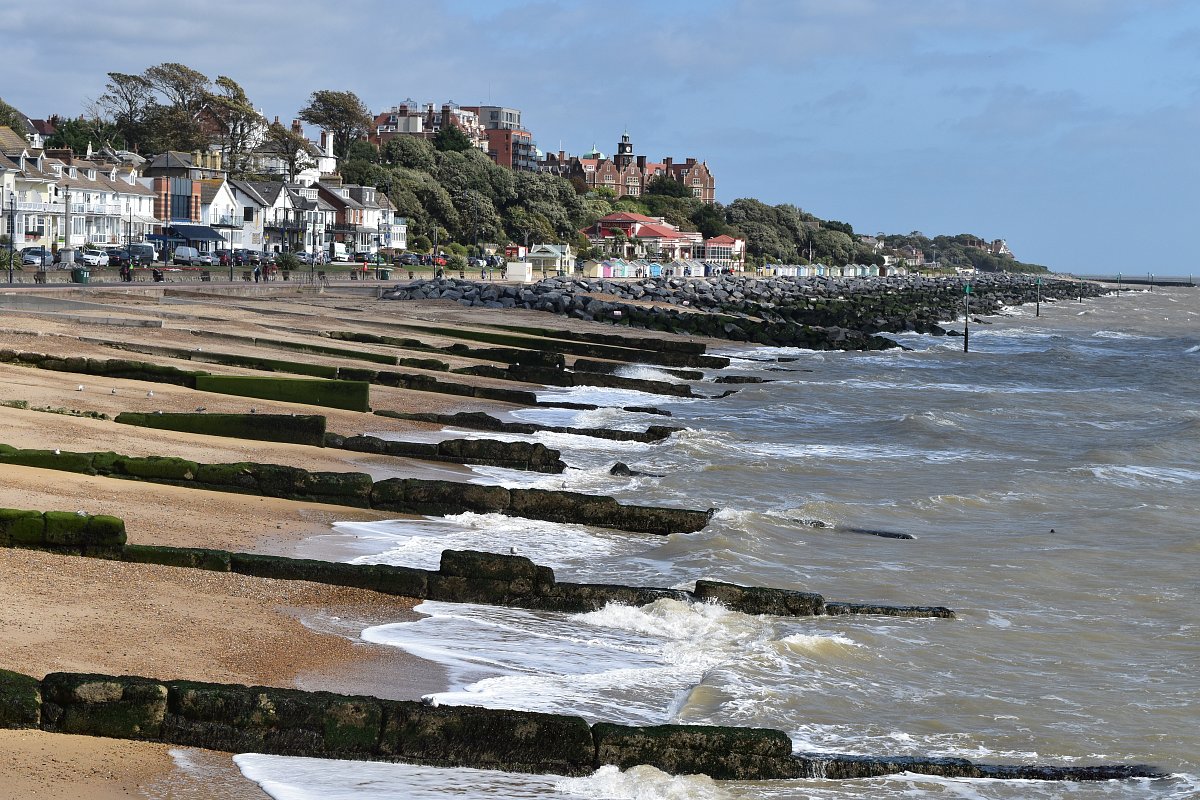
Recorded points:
(363, 255)
(186, 256)
(91, 258)
(36, 256)
(118, 257)
(223, 257)
(142, 253)
(205, 260)
(410, 259)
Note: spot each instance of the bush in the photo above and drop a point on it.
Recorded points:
(287, 261)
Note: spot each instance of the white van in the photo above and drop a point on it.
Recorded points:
(186, 255)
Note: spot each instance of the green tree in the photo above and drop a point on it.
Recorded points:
(292, 148)
(78, 134)
(12, 118)
(183, 87)
(341, 113)
(361, 150)
(451, 139)
(230, 104)
(668, 187)
(421, 243)
(409, 151)
(126, 100)
(709, 219)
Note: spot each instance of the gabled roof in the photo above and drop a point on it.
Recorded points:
(268, 190)
(245, 188)
(209, 190)
(171, 159)
(724, 238)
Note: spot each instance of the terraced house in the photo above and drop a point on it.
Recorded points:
(110, 202)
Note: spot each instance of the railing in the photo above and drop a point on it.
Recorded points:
(35, 205)
(229, 222)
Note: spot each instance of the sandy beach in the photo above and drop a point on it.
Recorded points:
(74, 614)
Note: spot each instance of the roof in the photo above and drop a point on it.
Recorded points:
(11, 140)
(209, 190)
(724, 238)
(657, 232)
(171, 158)
(245, 188)
(627, 216)
(197, 233)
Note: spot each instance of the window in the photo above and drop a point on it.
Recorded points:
(248, 214)
(697, 192)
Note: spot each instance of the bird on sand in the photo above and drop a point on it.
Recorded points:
(112, 391)
(79, 388)
(200, 409)
(150, 393)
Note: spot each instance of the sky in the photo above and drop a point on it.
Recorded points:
(1069, 128)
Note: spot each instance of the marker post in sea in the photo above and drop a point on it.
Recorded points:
(966, 316)
(1037, 308)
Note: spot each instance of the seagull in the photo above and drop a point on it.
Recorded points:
(57, 452)
(81, 513)
(200, 409)
(113, 391)
(150, 393)
(79, 388)
(512, 551)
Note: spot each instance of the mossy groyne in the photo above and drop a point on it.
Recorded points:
(309, 429)
(358, 490)
(262, 719)
(819, 313)
(485, 422)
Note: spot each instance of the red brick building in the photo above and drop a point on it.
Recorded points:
(629, 175)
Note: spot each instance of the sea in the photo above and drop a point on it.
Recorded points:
(1048, 478)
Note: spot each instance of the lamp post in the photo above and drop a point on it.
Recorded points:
(12, 229)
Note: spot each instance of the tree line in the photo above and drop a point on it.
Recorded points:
(449, 191)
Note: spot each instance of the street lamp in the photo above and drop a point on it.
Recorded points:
(12, 228)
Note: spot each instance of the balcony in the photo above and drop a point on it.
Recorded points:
(344, 227)
(228, 222)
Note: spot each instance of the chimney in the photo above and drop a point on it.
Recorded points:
(296, 127)
(667, 164)
(217, 157)
(691, 162)
(277, 119)
(641, 162)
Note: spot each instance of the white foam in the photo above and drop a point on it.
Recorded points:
(602, 396)
(419, 543)
(641, 783)
(290, 778)
(621, 663)
(1137, 476)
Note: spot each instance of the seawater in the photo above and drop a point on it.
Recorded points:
(1050, 478)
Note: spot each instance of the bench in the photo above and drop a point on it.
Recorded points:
(39, 276)
(206, 276)
(246, 276)
(354, 275)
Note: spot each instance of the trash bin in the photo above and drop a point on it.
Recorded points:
(81, 275)
(383, 274)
